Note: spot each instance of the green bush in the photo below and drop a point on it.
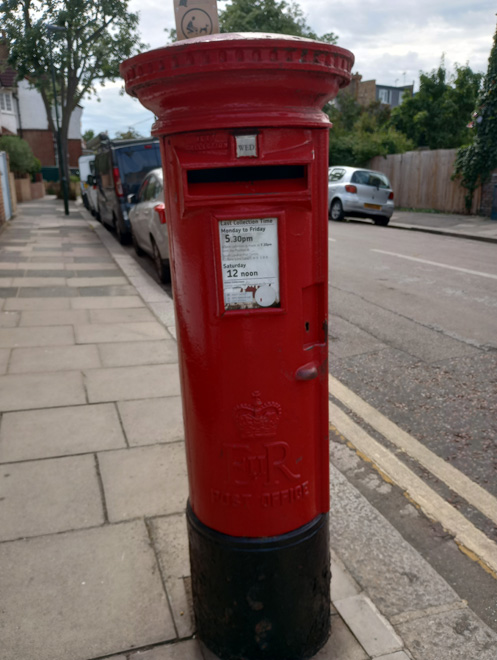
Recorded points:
(21, 157)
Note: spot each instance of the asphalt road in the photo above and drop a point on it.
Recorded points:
(413, 332)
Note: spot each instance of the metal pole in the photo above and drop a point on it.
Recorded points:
(62, 169)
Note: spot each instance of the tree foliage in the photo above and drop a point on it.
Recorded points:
(474, 163)
(361, 133)
(130, 134)
(21, 158)
(436, 117)
(97, 35)
(275, 16)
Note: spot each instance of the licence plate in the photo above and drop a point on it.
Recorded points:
(377, 207)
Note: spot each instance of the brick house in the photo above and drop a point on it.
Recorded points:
(22, 113)
(368, 91)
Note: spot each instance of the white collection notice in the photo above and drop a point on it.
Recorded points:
(249, 260)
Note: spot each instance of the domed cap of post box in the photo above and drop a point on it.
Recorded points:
(238, 80)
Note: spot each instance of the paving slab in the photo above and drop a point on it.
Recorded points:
(44, 497)
(4, 359)
(129, 383)
(108, 291)
(131, 315)
(54, 317)
(47, 292)
(30, 391)
(98, 302)
(82, 595)
(125, 354)
(99, 333)
(144, 481)
(96, 281)
(341, 645)
(9, 319)
(372, 630)
(54, 432)
(54, 358)
(36, 304)
(150, 421)
(170, 539)
(43, 336)
(455, 635)
(189, 650)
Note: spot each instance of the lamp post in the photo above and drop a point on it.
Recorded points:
(53, 29)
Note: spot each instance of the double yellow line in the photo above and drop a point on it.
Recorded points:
(469, 538)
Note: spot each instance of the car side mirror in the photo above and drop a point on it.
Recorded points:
(90, 180)
(131, 199)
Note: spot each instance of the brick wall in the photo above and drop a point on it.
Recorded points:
(487, 195)
(43, 147)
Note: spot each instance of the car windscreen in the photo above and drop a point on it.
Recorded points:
(375, 179)
(134, 162)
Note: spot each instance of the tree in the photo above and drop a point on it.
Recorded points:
(21, 158)
(275, 16)
(474, 163)
(130, 134)
(436, 116)
(88, 135)
(96, 36)
(361, 133)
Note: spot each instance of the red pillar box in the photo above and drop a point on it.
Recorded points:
(245, 157)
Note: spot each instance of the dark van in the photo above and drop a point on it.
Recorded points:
(120, 167)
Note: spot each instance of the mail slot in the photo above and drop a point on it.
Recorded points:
(245, 154)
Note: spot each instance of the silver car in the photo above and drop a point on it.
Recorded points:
(148, 223)
(359, 193)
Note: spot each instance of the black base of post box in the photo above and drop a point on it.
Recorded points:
(263, 598)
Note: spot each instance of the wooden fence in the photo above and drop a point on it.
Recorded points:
(422, 180)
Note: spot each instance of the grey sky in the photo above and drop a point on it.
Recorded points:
(392, 40)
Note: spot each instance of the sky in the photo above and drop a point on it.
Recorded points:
(392, 40)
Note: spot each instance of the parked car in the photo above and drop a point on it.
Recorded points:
(86, 181)
(359, 193)
(148, 223)
(120, 166)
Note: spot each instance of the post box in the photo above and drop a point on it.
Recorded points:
(245, 155)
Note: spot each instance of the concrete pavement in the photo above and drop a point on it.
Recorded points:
(93, 548)
(460, 226)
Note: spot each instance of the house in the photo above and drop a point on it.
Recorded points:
(368, 91)
(22, 113)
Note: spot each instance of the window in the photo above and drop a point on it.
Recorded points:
(6, 104)
(374, 179)
(385, 96)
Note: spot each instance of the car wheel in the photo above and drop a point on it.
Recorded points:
(161, 266)
(122, 236)
(382, 221)
(137, 247)
(336, 210)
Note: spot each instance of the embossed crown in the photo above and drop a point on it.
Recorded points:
(259, 420)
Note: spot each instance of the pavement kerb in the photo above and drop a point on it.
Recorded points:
(443, 232)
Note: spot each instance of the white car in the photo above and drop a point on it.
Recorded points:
(148, 223)
(359, 193)
(86, 166)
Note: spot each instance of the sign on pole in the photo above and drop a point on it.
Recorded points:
(195, 18)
